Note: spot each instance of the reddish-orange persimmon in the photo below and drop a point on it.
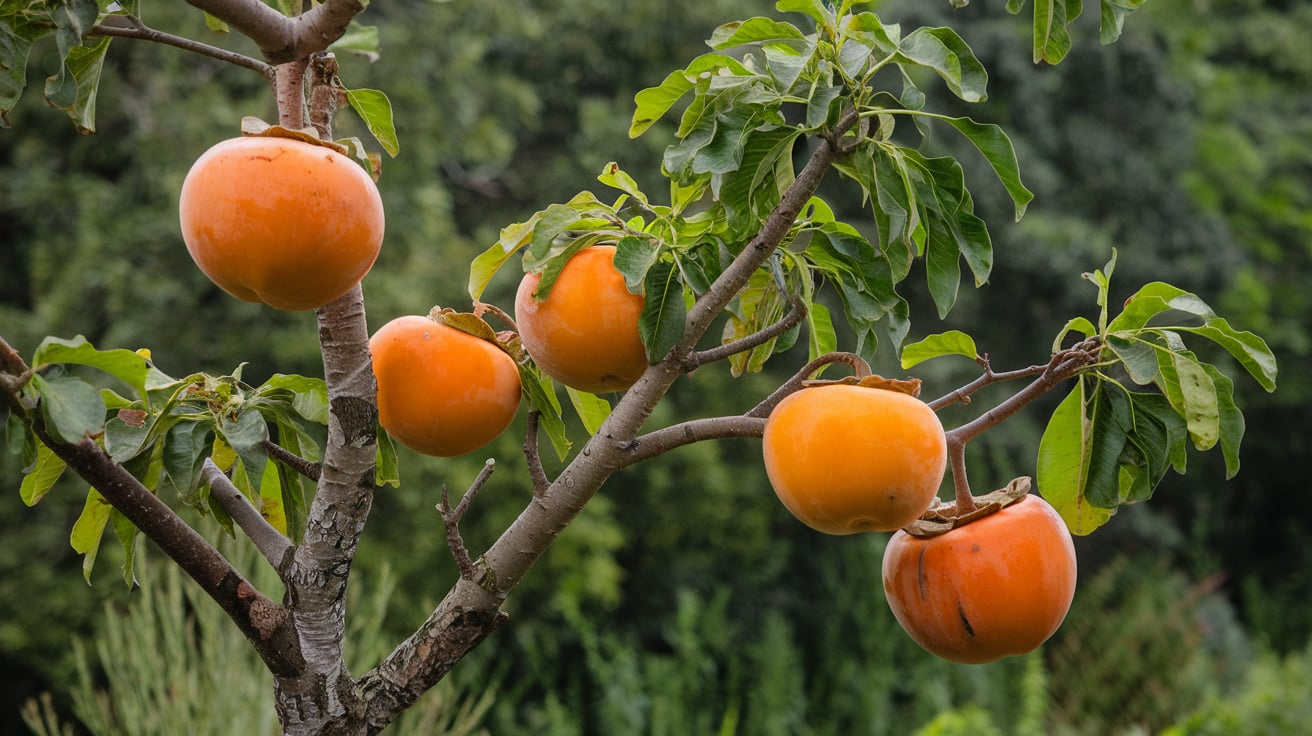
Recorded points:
(994, 587)
(846, 459)
(585, 333)
(442, 391)
(283, 222)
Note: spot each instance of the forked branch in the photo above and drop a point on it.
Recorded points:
(269, 541)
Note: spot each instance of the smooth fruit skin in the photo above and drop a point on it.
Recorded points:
(585, 334)
(286, 223)
(995, 587)
(847, 459)
(441, 391)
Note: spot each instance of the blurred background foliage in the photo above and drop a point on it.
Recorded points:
(685, 599)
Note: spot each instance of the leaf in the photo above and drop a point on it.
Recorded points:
(16, 39)
(753, 30)
(1138, 357)
(815, 8)
(127, 534)
(652, 103)
(387, 470)
(1061, 467)
(822, 339)
(663, 311)
(592, 409)
(539, 393)
(1232, 423)
(45, 470)
(375, 110)
(246, 435)
(944, 51)
(613, 176)
(309, 395)
(185, 448)
(1052, 20)
(998, 150)
(1076, 324)
(128, 366)
(71, 408)
(1109, 424)
(359, 39)
(952, 342)
(634, 256)
(1192, 392)
(88, 529)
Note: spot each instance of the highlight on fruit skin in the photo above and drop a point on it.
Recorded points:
(995, 587)
(279, 221)
(584, 334)
(442, 391)
(847, 458)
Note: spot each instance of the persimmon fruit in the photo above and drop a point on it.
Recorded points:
(279, 221)
(846, 458)
(584, 334)
(442, 391)
(995, 587)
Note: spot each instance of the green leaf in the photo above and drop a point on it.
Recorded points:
(88, 529)
(246, 434)
(1061, 467)
(1250, 350)
(1110, 422)
(613, 176)
(1138, 357)
(998, 150)
(1192, 392)
(1052, 39)
(186, 445)
(753, 30)
(663, 311)
(1077, 324)
(592, 409)
(1113, 18)
(72, 408)
(127, 534)
(952, 342)
(388, 465)
(358, 39)
(822, 339)
(1232, 423)
(821, 14)
(128, 366)
(41, 476)
(309, 395)
(375, 110)
(634, 256)
(16, 37)
(652, 103)
(540, 394)
(944, 51)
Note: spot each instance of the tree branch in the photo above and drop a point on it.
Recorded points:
(451, 521)
(292, 460)
(989, 378)
(533, 457)
(279, 38)
(663, 440)
(269, 541)
(130, 26)
(796, 313)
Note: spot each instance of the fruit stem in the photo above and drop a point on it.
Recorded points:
(858, 364)
(965, 501)
(480, 308)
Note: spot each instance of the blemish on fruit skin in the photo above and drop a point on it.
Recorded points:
(922, 581)
(965, 622)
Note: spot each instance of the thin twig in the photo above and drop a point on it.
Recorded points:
(269, 541)
(794, 317)
(130, 26)
(989, 378)
(451, 521)
(306, 468)
(533, 457)
(857, 363)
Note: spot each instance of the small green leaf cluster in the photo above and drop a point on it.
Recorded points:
(81, 56)
(1130, 416)
(164, 429)
(1053, 19)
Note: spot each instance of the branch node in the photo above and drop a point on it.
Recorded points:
(533, 457)
(451, 521)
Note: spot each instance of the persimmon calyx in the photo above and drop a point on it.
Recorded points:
(942, 517)
(473, 324)
(908, 386)
(254, 127)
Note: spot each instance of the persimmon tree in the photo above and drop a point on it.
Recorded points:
(741, 243)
